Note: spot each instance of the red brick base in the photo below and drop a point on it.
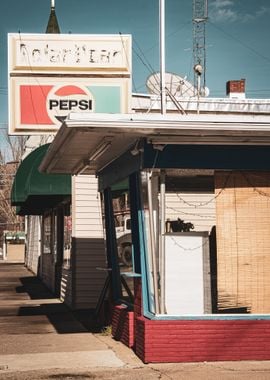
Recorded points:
(157, 341)
(123, 325)
(194, 341)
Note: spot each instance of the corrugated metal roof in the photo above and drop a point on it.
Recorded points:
(191, 105)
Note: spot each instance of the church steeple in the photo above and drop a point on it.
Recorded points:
(53, 26)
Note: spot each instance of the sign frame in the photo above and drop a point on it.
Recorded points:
(32, 64)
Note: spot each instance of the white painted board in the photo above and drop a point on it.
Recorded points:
(187, 277)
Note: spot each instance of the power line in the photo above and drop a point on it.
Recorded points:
(150, 67)
(240, 42)
(127, 58)
(169, 35)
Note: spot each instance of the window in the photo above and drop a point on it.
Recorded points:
(215, 242)
(47, 234)
(122, 219)
(67, 237)
(179, 213)
(55, 235)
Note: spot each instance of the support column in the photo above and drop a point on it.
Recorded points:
(111, 245)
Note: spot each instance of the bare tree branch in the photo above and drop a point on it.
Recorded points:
(11, 152)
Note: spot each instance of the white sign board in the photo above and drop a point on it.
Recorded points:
(53, 75)
(187, 277)
(54, 53)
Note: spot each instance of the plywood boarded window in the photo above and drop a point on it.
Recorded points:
(243, 241)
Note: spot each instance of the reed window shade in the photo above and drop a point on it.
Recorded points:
(243, 241)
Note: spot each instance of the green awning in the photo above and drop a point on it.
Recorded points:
(33, 191)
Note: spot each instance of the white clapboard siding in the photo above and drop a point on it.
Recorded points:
(197, 208)
(86, 207)
(32, 256)
(88, 242)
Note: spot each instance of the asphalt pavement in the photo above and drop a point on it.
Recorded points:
(41, 338)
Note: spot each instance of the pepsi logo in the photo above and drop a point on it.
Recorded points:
(62, 100)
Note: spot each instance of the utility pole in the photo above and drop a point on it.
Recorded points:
(199, 18)
(162, 56)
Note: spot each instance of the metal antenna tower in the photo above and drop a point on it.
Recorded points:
(199, 18)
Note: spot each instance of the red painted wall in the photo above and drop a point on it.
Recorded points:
(193, 341)
(123, 325)
(190, 341)
(124, 321)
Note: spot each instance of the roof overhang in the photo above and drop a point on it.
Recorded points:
(92, 141)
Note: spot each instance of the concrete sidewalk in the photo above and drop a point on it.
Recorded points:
(37, 331)
(40, 338)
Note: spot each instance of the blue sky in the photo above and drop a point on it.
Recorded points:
(237, 37)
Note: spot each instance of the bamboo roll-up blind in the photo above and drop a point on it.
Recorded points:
(243, 241)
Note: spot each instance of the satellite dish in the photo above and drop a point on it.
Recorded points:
(176, 85)
(205, 91)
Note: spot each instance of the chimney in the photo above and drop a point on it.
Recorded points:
(235, 89)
